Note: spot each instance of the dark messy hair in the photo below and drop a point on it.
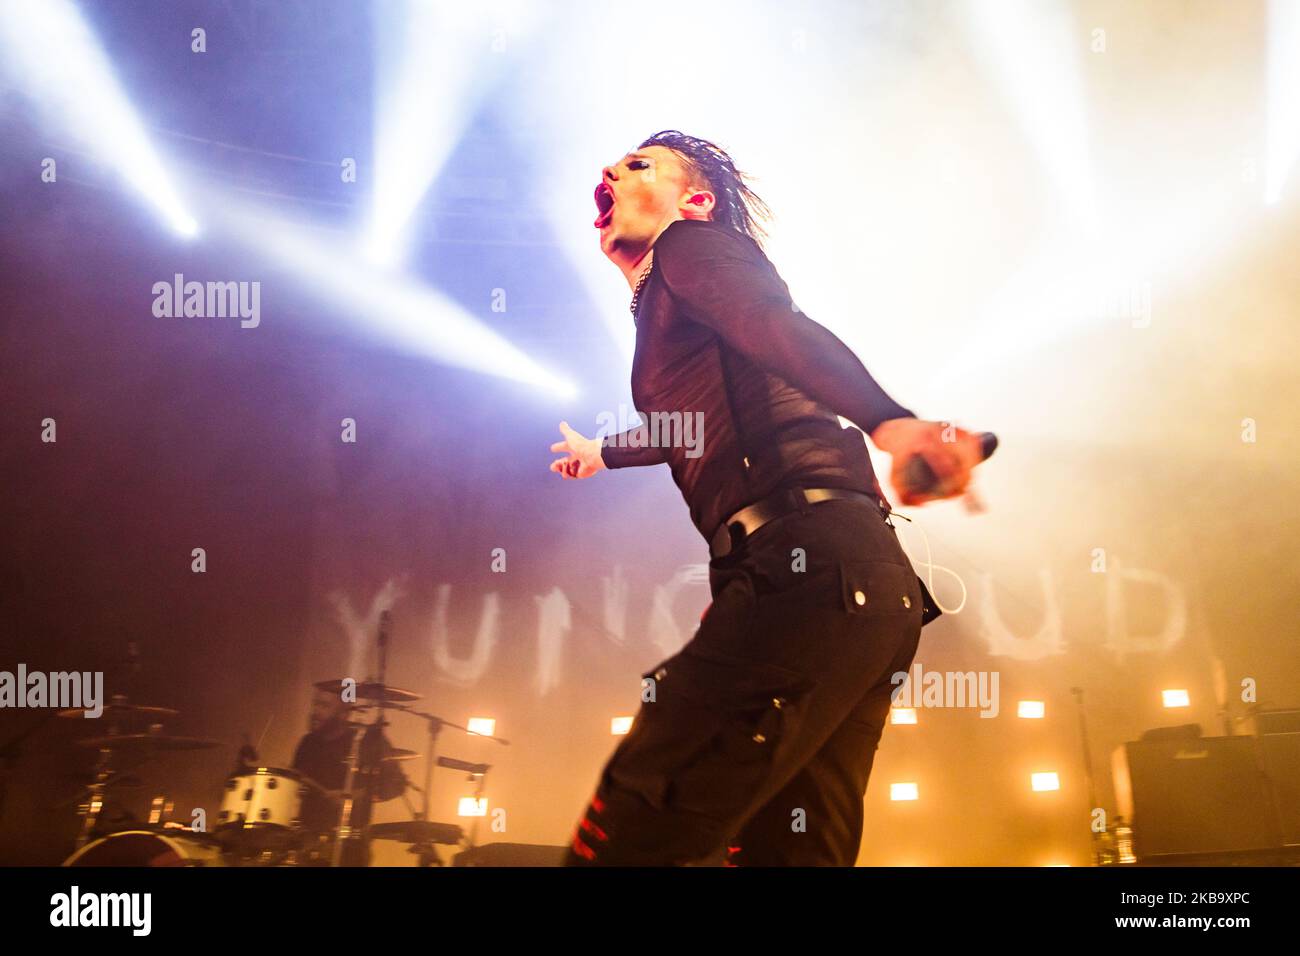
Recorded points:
(738, 206)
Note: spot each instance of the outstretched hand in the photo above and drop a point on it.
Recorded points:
(582, 455)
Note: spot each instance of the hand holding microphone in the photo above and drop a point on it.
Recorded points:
(932, 460)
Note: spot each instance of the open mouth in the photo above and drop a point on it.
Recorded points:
(604, 205)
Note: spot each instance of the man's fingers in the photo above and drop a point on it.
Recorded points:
(560, 446)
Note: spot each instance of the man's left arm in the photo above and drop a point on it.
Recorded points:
(733, 292)
(726, 284)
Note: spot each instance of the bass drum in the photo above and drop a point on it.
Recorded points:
(177, 847)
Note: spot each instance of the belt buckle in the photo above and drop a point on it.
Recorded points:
(719, 544)
(796, 499)
(724, 540)
(731, 534)
(736, 535)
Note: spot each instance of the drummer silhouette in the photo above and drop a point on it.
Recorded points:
(322, 755)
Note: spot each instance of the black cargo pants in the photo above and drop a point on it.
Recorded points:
(762, 730)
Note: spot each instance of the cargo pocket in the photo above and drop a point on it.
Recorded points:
(708, 741)
(880, 587)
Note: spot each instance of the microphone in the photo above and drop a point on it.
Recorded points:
(919, 478)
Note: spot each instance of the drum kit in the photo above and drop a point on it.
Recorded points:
(269, 816)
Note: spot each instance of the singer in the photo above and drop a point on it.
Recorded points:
(757, 738)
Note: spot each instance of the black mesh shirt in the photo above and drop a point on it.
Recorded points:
(738, 391)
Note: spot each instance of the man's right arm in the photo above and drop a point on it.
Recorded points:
(631, 449)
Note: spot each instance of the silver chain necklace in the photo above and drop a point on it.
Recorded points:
(640, 284)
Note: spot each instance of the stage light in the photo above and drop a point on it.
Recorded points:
(1030, 709)
(904, 791)
(472, 807)
(1043, 782)
(384, 305)
(620, 726)
(1176, 698)
(1283, 95)
(1032, 48)
(484, 726)
(51, 53)
(434, 60)
(902, 715)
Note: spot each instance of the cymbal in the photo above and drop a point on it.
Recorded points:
(112, 779)
(147, 742)
(369, 691)
(416, 831)
(143, 710)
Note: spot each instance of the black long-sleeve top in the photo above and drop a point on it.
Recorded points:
(719, 343)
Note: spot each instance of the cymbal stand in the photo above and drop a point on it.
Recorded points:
(104, 774)
(96, 789)
(346, 833)
(428, 853)
(478, 798)
(1098, 853)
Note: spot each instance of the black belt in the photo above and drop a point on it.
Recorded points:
(749, 519)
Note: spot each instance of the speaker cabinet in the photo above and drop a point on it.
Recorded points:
(1279, 755)
(1201, 795)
